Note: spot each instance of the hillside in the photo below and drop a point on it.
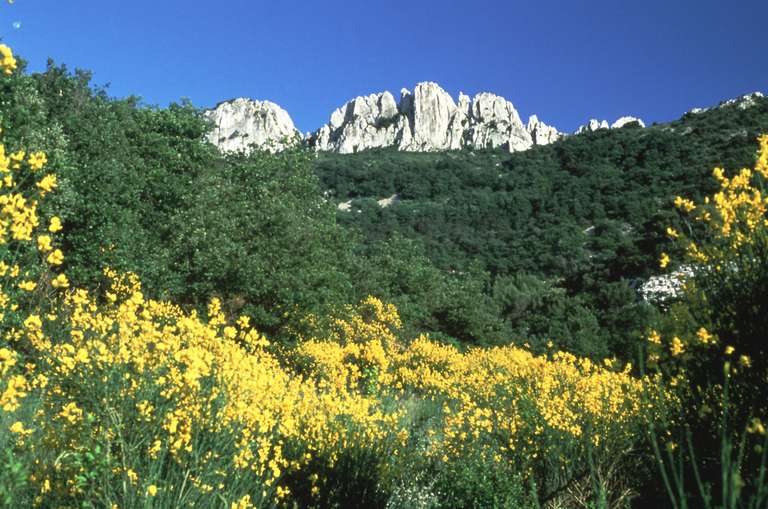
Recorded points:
(585, 215)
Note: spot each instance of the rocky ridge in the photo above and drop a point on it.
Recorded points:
(594, 124)
(423, 120)
(428, 119)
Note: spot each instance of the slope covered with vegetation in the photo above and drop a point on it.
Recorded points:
(561, 233)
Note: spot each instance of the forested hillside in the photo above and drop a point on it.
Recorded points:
(562, 233)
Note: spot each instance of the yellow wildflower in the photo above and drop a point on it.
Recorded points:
(37, 160)
(48, 183)
(44, 243)
(60, 281)
(71, 412)
(654, 338)
(704, 336)
(7, 61)
(677, 347)
(18, 428)
(756, 426)
(56, 257)
(28, 285)
(243, 503)
(684, 204)
(55, 225)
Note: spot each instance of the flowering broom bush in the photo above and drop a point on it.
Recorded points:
(712, 348)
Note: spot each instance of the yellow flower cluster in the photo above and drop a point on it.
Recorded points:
(18, 220)
(131, 363)
(13, 387)
(678, 347)
(18, 214)
(501, 399)
(732, 214)
(186, 378)
(7, 60)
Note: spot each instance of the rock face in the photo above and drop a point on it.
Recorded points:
(242, 122)
(364, 122)
(594, 124)
(428, 119)
(622, 121)
(541, 133)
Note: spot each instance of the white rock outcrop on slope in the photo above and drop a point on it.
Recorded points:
(430, 111)
(594, 124)
(663, 287)
(387, 202)
(428, 119)
(541, 133)
(494, 122)
(364, 122)
(742, 102)
(622, 121)
(239, 123)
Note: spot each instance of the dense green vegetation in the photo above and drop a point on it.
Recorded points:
(558, 236)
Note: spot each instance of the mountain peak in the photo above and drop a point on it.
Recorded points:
(242, 122)
(428, 119)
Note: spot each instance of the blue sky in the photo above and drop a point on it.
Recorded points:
(564, 60)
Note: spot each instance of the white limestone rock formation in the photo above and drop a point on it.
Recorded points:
(240, 123)
(743, 102)
(364, 122)
(494, 122)
(430, 111)
(594, 124)
(658, 289)
(541, 133)
(428, 119)
(425, 119)
(387, 202)
(622, 121)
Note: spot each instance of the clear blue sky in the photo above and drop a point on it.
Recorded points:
(563, 60)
